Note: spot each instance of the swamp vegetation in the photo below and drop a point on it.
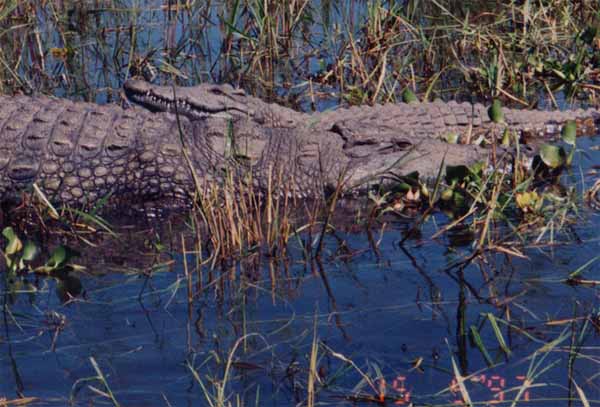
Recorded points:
(479, 289)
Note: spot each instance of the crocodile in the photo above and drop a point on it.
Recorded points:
(358, 123)
(180, 139)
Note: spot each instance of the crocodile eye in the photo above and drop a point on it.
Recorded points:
(216, 91)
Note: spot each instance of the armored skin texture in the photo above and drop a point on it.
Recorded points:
(77, 153)
(357, 124)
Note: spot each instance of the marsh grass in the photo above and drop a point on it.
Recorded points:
(240, 219)
(303, 51)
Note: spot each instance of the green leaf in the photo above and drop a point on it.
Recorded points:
(569, 132)
(30, 251)
(59, 258)
(425, 190)
(459, 199)
(569, 159)
(14, 243)
(447, 194)
(553, 156)
(498, 334)
(527, 201)
(479, 343)
(451, 138)
(403, 187)
(559, 74)
(506, 138)
(477, 168)
(408, 96)
(495, 112)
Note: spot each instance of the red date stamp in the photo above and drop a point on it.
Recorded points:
(495, 384)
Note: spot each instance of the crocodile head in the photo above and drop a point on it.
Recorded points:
(195, 102)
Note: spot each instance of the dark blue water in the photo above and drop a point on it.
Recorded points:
(396, 314)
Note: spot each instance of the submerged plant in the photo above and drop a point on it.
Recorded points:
(19, 256)
(20, 260)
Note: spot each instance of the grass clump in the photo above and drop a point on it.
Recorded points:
(300, 52)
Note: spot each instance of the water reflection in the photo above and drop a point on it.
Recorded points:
(405, 314)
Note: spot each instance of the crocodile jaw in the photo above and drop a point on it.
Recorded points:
(198, 102)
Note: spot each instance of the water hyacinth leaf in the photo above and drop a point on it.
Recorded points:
(506, 138)
(459, 199)
(59, 256)
(451, 138)
(553, 156)
(30, 251)
(14, 243)
(403, 187)
(408, 96)
(447, 194)
(527, 201)
(58, 259)
(405, 183)
(495, 112)
(569, 132)
(477, 168)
